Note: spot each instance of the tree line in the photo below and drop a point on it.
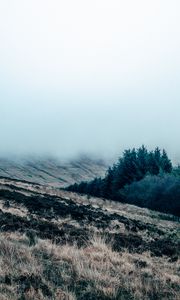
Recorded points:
(140, 177)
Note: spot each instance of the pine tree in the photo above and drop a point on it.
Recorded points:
(106, 188)
(142, 161)
(153, 166)
(157, 156)
(166, 164)
(132, 166)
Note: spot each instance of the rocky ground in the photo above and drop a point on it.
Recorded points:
(59, 245)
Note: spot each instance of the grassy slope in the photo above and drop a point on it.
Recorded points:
(52, 171)
(60, 245)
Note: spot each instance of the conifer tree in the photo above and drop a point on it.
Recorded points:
(153, 166)
(166, 164)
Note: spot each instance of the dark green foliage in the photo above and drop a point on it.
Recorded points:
(176, 171)
(142, 161)
(124, 181)
(134, 165)
(160, 193)
(106, 184)
(166, 163)
(153, 164)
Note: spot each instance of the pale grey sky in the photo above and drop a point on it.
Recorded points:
(89, 76)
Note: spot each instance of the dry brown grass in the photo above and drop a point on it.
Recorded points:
(129, 211)
(14, 210)
(94, 270)
(68, 270)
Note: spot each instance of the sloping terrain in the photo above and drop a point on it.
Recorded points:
(52, 171)
(61, 245)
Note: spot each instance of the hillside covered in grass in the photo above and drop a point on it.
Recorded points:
(62, 246)
(140, 177)
(52, 171)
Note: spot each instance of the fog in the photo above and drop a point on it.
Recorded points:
(90, 77)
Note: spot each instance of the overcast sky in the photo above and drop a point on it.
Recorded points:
(95, 76)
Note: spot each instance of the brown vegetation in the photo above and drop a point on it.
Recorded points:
(62, 246)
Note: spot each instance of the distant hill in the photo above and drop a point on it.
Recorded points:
(52, 171)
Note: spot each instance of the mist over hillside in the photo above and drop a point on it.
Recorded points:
(99, 78)
(53, 171)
